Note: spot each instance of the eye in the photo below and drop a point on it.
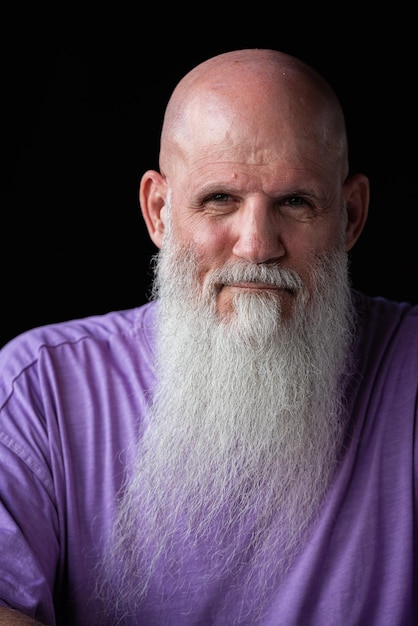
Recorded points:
(219, 197)
(219, 203)
(296, 206)
(294, 201)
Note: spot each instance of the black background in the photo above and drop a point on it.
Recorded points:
(82, 102)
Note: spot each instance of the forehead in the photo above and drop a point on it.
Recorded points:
(251, 164)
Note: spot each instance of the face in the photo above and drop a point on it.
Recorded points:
(261, 193)
(259, 214)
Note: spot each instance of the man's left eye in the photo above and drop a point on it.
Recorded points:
(295, 201)
(220, 197)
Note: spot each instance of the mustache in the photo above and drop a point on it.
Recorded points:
(242, 272)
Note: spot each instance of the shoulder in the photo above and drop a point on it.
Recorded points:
(387, 318)
(387, 341)
(380, 304)
(113, 333)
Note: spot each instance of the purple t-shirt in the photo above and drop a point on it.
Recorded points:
(73, 397)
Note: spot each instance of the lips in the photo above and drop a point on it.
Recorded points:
(252, 285)
(257, 286)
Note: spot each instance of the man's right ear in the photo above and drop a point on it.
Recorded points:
(152, 199)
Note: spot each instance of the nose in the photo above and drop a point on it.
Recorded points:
(257, 237)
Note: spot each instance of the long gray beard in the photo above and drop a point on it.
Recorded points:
(244, 431)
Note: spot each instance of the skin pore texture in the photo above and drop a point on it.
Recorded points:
(254, 212)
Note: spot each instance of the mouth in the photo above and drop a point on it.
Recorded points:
(257, 286)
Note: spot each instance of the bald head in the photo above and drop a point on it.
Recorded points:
(261, 91)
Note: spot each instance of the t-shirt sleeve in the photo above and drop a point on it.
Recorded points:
(29, 525)
(63, 451)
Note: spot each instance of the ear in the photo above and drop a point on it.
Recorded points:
(152, 198)
(357, 196)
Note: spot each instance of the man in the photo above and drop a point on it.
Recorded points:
(240, 450)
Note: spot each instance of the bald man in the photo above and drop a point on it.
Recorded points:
(240, 449)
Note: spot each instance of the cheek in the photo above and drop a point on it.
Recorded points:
(302, 248)
(210, 242)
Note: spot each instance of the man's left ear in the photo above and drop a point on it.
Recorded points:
(357, 195)
(152, 199)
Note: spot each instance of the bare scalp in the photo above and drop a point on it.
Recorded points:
(268, 85)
